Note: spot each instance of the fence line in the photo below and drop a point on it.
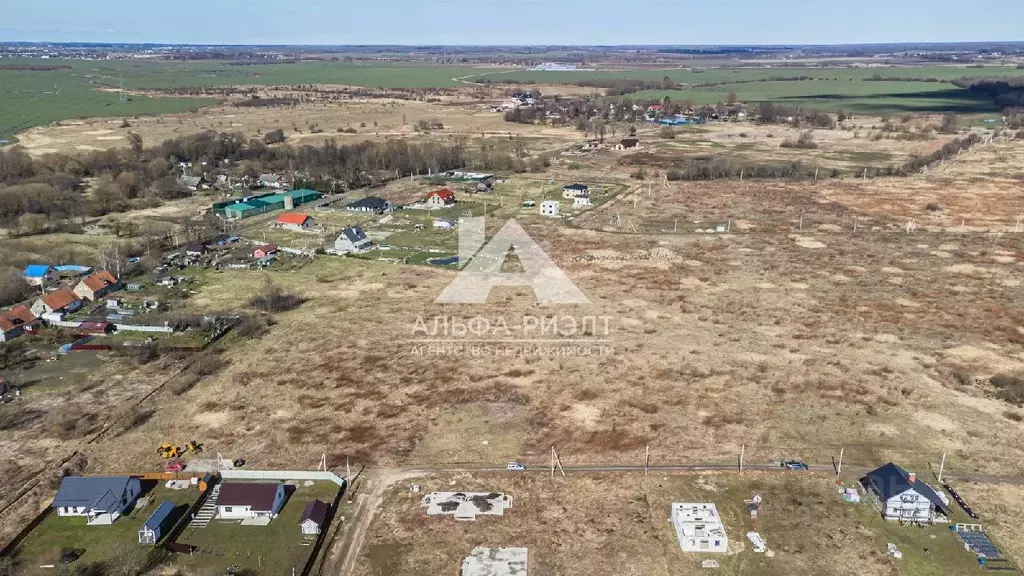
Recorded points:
(283, 475)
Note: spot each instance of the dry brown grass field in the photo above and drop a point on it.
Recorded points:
(816, 323)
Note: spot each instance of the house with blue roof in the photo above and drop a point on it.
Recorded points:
(903, 496)
(41, 274)
(101, 499)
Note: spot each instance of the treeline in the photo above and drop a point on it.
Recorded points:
(880, 78)
(33, 67)
(1004, 92)
(257, 102)
(951, 148)
(623, 86)
(771, 113)
(720, 168)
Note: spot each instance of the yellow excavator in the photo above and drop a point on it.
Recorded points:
(169, 451)
(194, 447)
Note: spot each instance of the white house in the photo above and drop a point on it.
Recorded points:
(549, 208)
(699, 528)
(101, 499)
(581, 201)
(248, 500)
(573, 190)
(351, 239)
(903, 496)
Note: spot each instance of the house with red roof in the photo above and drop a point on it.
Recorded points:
(61, 301)
(295, 221)
(15, 321)
(97, 285)
(440, 198)
(265, 250)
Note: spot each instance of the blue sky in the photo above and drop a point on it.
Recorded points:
(511, 22)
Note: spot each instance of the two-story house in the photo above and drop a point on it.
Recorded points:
(902, 496)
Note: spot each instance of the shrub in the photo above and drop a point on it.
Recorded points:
(805, 141)
(273, 299)
(274, 136)
(933, 207)
(1009, 388)
(667, 133)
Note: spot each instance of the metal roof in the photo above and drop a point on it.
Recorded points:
(315, 511)
(159, 515)
(891, 480)
(257, 495)
(93, 492)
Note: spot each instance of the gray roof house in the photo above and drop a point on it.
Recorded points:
(902, 496)
(352, 239)
(369, 204)
(101, 499)
(191, 182)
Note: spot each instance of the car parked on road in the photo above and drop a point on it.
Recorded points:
(793, 465)
(515, 467)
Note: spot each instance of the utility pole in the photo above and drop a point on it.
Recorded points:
(942, 466)
(743, 448)
(839, 467)
(647, 459)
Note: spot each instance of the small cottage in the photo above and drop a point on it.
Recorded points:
(249, 500)
(295, 221)
(313, 518)
(15, 322)
(264, 251)
(573, 190)
(440, 198)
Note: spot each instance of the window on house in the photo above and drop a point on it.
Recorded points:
(227, 508)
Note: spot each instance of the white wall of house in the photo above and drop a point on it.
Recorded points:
(549, 208)
(909, 506)
(237, 512)
(71, 511)
(310, 527)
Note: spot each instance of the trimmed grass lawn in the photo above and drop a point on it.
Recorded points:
(273, 549)
(97, 543)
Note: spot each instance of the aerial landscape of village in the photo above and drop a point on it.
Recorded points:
(420, 309)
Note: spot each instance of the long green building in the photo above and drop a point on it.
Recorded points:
(242, 208)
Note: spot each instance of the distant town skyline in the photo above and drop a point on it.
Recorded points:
(527, 22)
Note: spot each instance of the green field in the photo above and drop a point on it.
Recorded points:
(827, 88)
(34, 98)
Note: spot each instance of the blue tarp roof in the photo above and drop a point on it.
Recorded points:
(36, 270)
(73, 268)
(157, 518)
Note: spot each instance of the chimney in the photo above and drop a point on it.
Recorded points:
(912, 477)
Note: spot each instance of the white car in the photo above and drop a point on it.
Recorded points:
(515, 467)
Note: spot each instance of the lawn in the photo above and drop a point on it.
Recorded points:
(99, 543)
(273, 549)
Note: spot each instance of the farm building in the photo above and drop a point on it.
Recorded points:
(270, 181)
(369, 204)
(466, 506)
(264, 251)
(15, 321)
(699, 528)
(250, 500)
(573, 190)
(313, 518)
(549, 208)
(903, 497)
(191, 182)
(440, 198)
(101, 499)
(495, 562)
(255, 205)
(59, 301)
(351, 239)
(97, 285)
(40, 274)
(294, 221)
(581, 201)
(153, 528)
